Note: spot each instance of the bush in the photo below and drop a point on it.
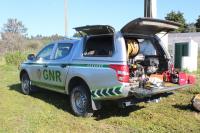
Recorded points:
(15, 58)
(33, 44)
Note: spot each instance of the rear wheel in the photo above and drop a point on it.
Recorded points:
(80, 101)
(25, 84)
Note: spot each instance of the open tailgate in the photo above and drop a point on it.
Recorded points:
(149, 26)
(141, 92)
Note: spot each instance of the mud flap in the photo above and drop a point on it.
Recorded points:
(96, 105)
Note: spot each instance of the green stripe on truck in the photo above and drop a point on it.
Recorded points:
(78, 65)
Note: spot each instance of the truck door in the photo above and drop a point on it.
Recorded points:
(55, 72)
(43, 57)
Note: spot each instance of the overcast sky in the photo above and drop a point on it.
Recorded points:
(46, 17)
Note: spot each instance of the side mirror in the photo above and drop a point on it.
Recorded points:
(31, 57)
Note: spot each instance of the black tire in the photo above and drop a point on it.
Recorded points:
(25, 84)
(80, 101)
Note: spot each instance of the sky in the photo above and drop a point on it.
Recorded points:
(46, 17)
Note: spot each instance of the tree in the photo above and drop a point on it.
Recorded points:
(177, 17)
(197, 24)
(14, 26)
(56, 37)
(79, 34)
(190, 27)
(13, 34)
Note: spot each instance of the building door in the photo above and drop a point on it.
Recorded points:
(181, 49)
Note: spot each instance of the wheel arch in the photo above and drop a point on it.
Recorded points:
(77, 81)
(22, 72)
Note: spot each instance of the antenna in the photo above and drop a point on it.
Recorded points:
(65, 16)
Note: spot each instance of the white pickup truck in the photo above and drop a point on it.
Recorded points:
(103, 64)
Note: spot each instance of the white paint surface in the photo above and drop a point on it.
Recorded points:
(190, 62)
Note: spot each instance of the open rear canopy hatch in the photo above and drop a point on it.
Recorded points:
(95, 30)
(143, 26)
(149, 26)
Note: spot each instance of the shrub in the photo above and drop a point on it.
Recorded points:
(15, 58)
(33, 44)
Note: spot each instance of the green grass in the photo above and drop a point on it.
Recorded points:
(49, 112)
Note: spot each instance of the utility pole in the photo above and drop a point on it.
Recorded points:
(150, 8)
(65, 16)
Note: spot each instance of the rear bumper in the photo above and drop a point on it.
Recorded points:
(127, 90)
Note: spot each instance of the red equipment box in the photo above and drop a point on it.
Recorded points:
(183, 78)
(166, 76)
(191, 79)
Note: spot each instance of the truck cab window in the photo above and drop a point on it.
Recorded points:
(62, 50)
(45, 53)
(99, 46)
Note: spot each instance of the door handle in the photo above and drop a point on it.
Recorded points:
(63, 65)
(45, 65)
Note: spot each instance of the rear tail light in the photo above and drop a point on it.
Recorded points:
(122, 72)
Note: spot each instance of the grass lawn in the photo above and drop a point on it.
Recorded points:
(49, 112)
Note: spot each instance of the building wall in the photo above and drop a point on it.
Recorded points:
(182, 37)
(193, 39)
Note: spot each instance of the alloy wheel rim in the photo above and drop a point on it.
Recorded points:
(80, 101)
(25, 85)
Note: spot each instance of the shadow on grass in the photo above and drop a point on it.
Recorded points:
(112, 110)
(61, 101)
(187, 107)
(15, 87)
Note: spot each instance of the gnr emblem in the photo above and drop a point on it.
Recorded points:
(52, 75)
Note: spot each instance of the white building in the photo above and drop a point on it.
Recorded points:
(184, 48)
(184, 37)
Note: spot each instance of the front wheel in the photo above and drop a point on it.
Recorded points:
(80, 101)
(25, 84)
